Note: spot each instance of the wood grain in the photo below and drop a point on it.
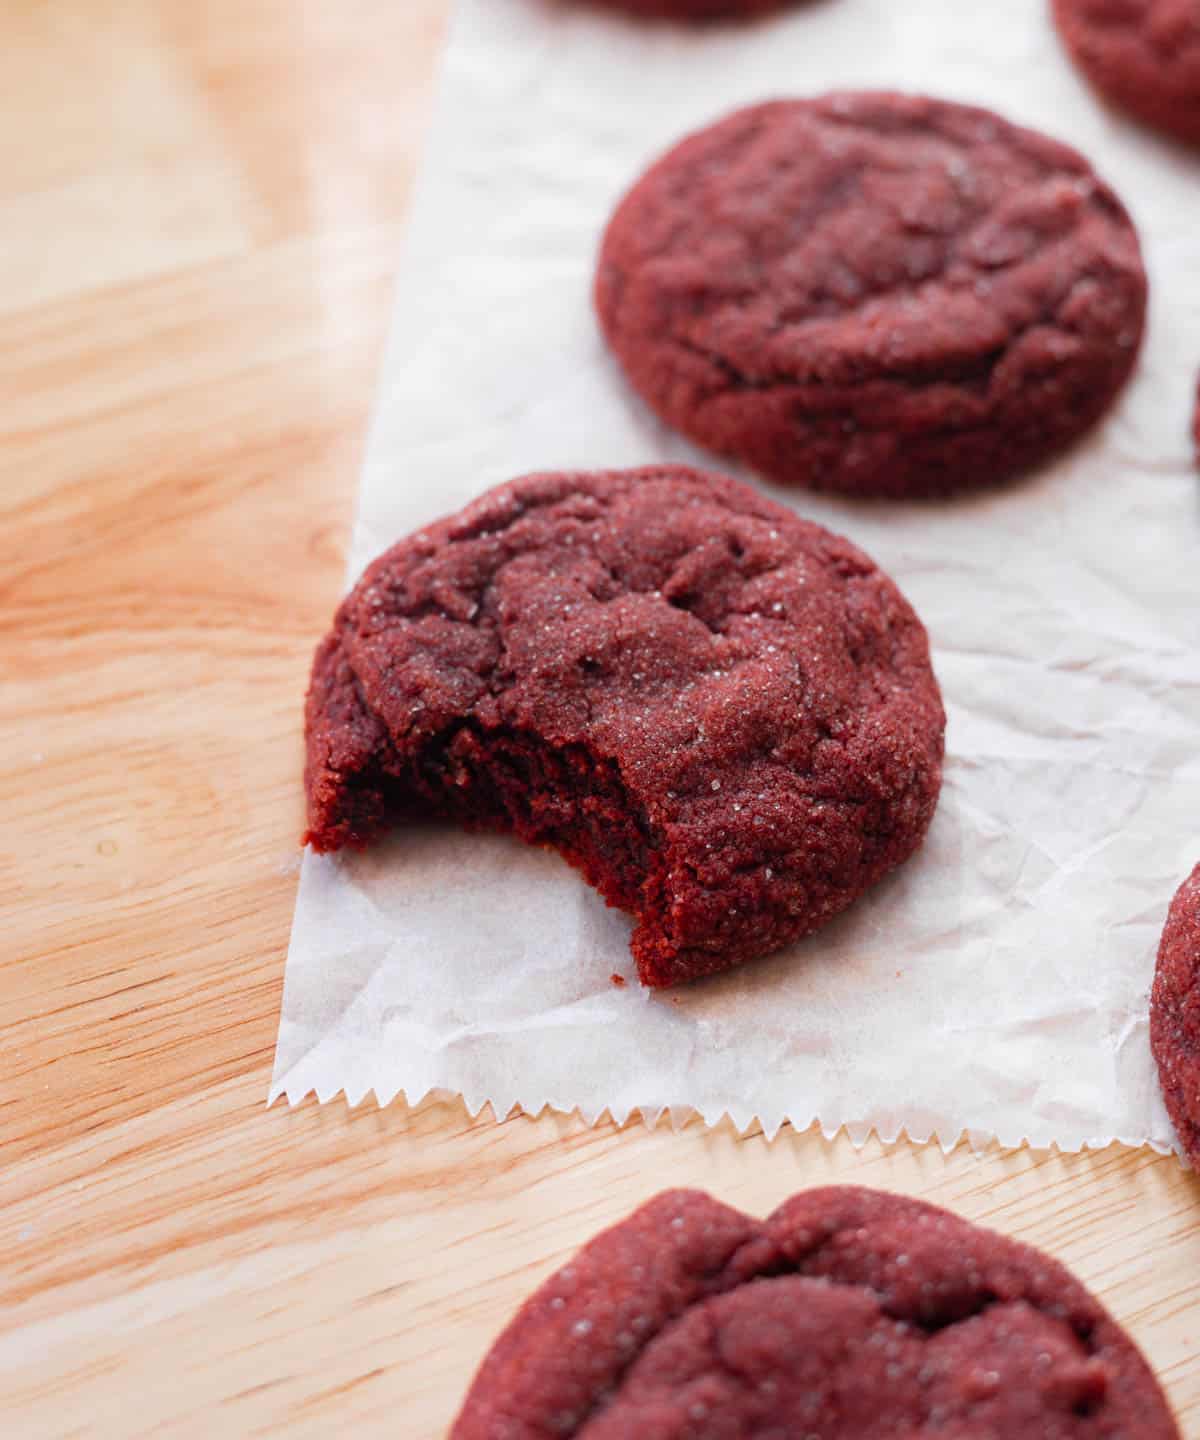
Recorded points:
(200, 209)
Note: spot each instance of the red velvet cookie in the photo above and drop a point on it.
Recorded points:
(848, 1314)
(722, 714)
(1143, 55)
(873, 293)
(1175, 1015)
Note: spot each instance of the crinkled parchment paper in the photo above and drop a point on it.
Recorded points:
(998, 983)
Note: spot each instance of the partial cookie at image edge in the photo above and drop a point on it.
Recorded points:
(843, 1306)
(1175, 1015)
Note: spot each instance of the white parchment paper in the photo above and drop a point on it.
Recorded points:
(998, 983)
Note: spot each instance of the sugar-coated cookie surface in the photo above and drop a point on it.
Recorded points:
(847, 1314)
(1143, 55)
(1175, 1014)
(874, 293)
(724, 715)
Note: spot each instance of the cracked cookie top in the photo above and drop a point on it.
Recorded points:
(874, 293)
(848, 1314)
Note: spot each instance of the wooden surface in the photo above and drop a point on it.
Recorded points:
(200, 219)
